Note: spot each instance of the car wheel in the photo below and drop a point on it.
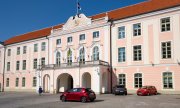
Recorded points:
(83, 99)
(148, 94)
(63, 99)
(125, 93)
(92, 100)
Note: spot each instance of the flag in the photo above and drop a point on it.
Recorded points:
(69, 52)
(83, 50)
(78, 6)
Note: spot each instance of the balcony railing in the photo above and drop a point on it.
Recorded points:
(74, 64)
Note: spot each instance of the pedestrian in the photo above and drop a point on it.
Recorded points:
(40, 91)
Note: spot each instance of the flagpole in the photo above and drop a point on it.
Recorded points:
(77, 11)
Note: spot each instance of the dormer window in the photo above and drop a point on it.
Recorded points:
(69, 39)
(82, 37)
(96, 34)
(58, 42)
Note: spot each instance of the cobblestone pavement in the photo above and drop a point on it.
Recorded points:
(32, 100)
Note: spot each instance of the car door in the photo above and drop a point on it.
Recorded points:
(77, 94)
(69, 95)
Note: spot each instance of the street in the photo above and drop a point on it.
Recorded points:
(32, 100)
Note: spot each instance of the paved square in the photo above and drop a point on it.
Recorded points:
(32, 100)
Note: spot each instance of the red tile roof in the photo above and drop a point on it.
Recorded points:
(129, 11)
(32, 35)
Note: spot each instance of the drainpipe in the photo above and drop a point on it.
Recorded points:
(111, 70)
(48, 48)
(4, 67)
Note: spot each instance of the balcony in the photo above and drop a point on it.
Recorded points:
(74, 65)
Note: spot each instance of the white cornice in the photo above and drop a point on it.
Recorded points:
(26, 42)
(148, 15)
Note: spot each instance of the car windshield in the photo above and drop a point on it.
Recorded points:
(120, 86)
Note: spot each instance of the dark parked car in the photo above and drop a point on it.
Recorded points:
(147, 90)
(119, 89)
(78, 94)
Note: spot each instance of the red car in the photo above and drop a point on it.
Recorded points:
(78, 94)
(147, 90)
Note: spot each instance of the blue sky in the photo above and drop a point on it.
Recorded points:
(22, 16)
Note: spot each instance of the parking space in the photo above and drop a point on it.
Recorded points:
(32, 100)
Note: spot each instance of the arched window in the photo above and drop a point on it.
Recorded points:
(82, 56)
(58, 58)
(95, 53)
(167, 80)
(137, 80)
(69, 57)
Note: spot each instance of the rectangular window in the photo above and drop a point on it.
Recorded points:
(96, 34)
(137, 53)
(43, 61)
(24, 64)
(121, 54)
(17, 65)
(23, 82)
(122, 79)
(24, 49)
(35, 64)
(34, 81)
(58, 42)
(137, 29)
(82, 37)
(137, 80)
(8, 66)
(165, 24)
(17, 82)
(166, 50)
(167, 80)
(35, 47)
(43, 46)
(121, 32)
(9, 52)
(69, 39)
(7, 82)
(18, 50)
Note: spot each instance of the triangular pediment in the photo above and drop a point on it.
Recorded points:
(77, 21)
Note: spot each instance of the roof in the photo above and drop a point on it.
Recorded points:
(31, 35)
(121, 13)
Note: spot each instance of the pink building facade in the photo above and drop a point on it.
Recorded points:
(97, 52)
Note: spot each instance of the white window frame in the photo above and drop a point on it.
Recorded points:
(95, 53)
(96, 34)
(138, 77)
(121, 54)
(136, 29)
(121, 32)
(69, 39)
(35, 47)
(17, 82)
(24, 49)
(43, 46)
(168, 79)
(165, 24)
(166, 50)
(58, 42)
(18, 50)
(17, 65)
(122, 79)
(139, 58)
(24, 65)
(23, 82)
